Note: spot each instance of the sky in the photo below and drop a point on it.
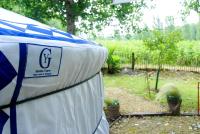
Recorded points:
(161, 10)
(164, 8)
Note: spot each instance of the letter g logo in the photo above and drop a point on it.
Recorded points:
(45, 58)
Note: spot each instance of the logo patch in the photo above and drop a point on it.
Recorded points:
(45, 58)
(43, 61)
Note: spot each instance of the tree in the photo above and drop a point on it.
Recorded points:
(164, 45)
(93, 14)
(191, 5)
(169, 20)
(157, 23)
(35, 9)
(191, 31)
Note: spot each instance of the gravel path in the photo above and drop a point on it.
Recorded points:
(157, 125)
(130, 103)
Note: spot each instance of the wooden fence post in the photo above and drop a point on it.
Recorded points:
(133, 61)
(198, 98)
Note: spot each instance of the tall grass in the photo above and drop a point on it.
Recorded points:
(188, 53)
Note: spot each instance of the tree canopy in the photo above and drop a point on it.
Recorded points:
(92, 14)
(164, 45)
(191, 5)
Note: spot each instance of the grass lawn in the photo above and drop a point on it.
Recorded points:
(185, 81)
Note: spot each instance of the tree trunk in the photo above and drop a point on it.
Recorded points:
(71, 28)
(158, 71)
(157, 78)
(70, 17)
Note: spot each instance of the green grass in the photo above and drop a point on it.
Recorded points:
(186, 83)
(133, 84)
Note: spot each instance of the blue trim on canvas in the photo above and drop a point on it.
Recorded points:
(36, 28)
(39, 30)
(17, 22)
(9, 32)
(7, 71)
(21, 73)
(13, 26)
(3, 119)
(62, 33)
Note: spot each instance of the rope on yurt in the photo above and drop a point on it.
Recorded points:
(97, 125)
(46, 94)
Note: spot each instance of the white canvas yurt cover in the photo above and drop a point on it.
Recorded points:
(50, 81)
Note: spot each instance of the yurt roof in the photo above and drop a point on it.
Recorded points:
(13, 24)
(77, 61)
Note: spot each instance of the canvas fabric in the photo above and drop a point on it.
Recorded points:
(60, 68)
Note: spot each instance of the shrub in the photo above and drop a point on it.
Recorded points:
(173, 97)
(111, 102)
(168, 90)
(111, 109)
(113, 61)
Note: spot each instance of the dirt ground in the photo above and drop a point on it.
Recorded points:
(130, 103)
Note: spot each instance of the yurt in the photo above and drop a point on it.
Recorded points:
(50, 80)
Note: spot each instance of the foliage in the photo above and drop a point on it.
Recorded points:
(191, 31)
(56, 23)
(164, 44)
(111, 102)
(168, 90)
(113, 61)
(187, 52)
(87, 11)
(35, 9)
(190, 5)
(174, 93)
(173, 97)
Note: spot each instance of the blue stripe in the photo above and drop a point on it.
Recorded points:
(9, 32)
(62, 33)
(16, 22)
(21, 73)
(35, 28)
(40, 30)
(12, 26)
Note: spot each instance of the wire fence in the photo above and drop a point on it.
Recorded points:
(132, 61)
